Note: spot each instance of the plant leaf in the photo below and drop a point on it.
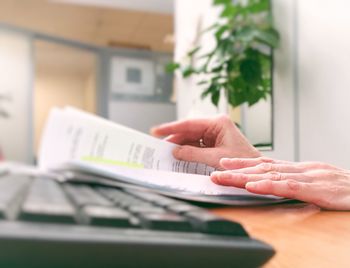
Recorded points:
(231, 64)
(193, 51)
(212, 88)
(172, 67)
(217, 69)
(211, 27)
(229, 11)
(259, 6)
(222, 2)
(255, 96)
(246, 34)
(188, 71)
(203, 82)
(269, 37)
(223, 47)
(236, 98)
(221, 31)
(215, 96)
(251, 71)
(253, 53)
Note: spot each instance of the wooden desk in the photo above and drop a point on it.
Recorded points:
(302, 234)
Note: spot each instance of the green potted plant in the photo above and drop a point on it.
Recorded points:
(241, 62)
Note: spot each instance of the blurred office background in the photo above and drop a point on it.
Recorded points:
(108, 56)
(105, 57)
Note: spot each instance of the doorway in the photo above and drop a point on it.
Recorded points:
(64, 76)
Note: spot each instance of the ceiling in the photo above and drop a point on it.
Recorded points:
(158, 6)
(100, 26)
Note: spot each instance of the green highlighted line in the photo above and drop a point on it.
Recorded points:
(99, 160)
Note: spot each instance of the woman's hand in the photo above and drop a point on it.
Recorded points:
(206, 140)
(321, 184)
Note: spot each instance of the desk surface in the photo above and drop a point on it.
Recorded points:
(302, 234)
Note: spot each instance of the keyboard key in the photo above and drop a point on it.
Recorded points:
(106, 216)
(129, 202)
(209, 223)
(84, 195)
(12, 188)
(147, 196)
(120, 198)
(165, 221)
(154, 198)
(113, 194)
(164, 201)
(182, 208)
(110, 193)
(47, 202)
(142, 209)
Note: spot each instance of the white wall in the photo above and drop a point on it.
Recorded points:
(324, 80)
(284, 116)
(191, 17)
(16, 96)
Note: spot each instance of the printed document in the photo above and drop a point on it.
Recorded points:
(93, 144)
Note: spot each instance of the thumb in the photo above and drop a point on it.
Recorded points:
(209, 156)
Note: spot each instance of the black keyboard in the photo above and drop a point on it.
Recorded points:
(44, 223)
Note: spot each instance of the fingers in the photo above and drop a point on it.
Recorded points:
(317, 165)
(209, 156)
(240, 180)
(334, 195)
(176, 138)
(181, 139)
(270, 167)
(195, 127)
(264, 164)
(314, 182)
(289, 189)
(238, 163)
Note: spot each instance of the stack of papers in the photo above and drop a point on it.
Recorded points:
(87, 143)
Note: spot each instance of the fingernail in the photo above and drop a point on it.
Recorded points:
(222, 162)
(215, 177)
(153, 130)
(215, 173)
(176, 150)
